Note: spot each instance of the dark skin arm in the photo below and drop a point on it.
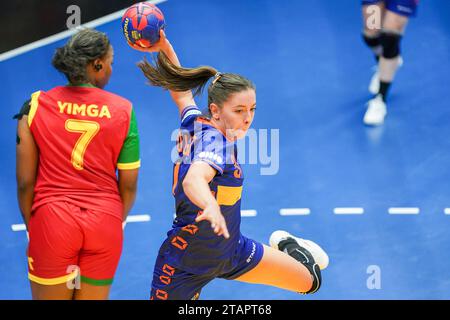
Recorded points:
(27, 157)
(127, 189)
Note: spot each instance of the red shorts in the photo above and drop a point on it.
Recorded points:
(67, 241)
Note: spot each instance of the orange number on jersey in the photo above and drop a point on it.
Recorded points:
(88, 130)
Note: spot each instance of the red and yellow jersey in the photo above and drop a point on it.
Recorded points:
(83, 134)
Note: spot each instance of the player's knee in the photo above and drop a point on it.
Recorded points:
(371, 40)
(390, 42)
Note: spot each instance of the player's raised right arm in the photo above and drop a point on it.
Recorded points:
(182, 99)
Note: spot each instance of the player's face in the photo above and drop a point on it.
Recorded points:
(102, 77)
(237, 113)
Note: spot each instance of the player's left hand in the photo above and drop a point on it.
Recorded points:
(212, 214)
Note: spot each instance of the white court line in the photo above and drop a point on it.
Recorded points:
(139, 218)
(447, 210)
(244, 213)
(56, 37)
(404, 210)
(348, 210)
(18, 227)
(295, 211)
(248, 213)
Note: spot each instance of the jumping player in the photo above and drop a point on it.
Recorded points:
(70, 142)
(384, 40)
(205, 241)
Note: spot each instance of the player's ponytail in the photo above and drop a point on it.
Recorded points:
(171, 77)
(81, 49)
(168, 76)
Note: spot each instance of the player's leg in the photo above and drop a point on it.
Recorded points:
(290, 265)
(55, 240)
(92, 292)
(394, 24)
(393, 28)
(372, 13)
(280, 270)
(100, 255)
(53, 292)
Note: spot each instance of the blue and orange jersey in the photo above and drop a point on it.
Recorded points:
(199, 140)
(83, 134)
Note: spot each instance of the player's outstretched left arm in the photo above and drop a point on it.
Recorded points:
(196, 187)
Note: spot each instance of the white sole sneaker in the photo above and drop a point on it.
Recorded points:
(376, 112)
(319, 255)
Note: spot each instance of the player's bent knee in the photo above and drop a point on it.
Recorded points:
(371, 41)
(390, 42)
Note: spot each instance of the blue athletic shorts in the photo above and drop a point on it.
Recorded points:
(407, 8)
(173, 283)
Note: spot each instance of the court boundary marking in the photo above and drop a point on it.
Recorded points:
(65, 34)
(286, 212)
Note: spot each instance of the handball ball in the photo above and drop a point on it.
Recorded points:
(141, 24)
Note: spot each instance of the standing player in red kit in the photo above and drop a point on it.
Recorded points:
(70, 142)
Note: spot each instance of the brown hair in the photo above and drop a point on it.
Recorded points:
(82, 48)
(168, 76)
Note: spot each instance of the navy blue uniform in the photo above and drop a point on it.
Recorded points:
(406, 8)
(192, 254)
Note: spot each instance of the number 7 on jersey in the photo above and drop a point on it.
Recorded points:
(88, 130)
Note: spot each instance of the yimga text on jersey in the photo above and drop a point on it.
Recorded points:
(90, 110)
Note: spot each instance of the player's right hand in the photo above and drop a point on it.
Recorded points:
(161, 45)
(214, 216)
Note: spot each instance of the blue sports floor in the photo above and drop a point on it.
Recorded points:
(311, 69)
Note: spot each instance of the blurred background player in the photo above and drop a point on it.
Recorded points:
(71, 139)
(205, 241)
(384, 40)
